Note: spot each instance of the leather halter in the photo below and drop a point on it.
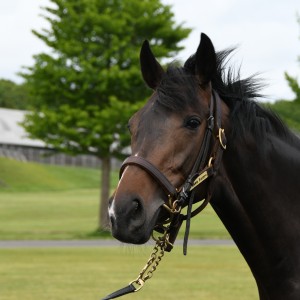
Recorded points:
(206, 166)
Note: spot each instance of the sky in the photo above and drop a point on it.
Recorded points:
(265, 32)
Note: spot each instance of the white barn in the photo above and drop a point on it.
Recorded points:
(15, 143)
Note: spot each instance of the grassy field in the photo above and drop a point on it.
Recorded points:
(91, 273)
(48, 215)
(16, 176)
(50, 202)
(47, 202)
(72, 215)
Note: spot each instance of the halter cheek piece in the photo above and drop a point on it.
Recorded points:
(205, 167)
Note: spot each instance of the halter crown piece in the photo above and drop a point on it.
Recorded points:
(205, 168)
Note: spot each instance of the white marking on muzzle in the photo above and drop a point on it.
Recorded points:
(111, 210)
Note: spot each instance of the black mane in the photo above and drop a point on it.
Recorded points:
(178, 89)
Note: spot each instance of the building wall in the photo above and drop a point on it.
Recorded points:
(47, 156)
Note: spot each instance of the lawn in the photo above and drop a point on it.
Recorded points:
(91, 273)
(16, 176)
(48, 215)
(73, 214)
(49, 202)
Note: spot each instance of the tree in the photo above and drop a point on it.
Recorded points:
(13, 95)
(292, 81)
(85, 90)
(294, 85)
(289, 111)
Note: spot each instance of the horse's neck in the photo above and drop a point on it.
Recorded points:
(257, 198)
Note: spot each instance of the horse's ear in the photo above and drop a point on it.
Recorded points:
(151, 69)
(206, 60)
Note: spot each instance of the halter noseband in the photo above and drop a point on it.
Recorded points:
(205, 166)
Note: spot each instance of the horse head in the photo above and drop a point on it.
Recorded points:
(167, 133)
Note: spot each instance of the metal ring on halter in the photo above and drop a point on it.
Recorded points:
(210, 161)
(222, 138)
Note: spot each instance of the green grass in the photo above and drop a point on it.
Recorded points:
(50, 202)
(91, 273)
(73, 215)
(16, 176)
(48, 215)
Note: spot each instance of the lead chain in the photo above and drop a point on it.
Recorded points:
(152, 263)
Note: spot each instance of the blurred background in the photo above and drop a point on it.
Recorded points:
(69, 82)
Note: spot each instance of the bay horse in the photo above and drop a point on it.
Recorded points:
(203, 119)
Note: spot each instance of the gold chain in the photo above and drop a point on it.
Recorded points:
(159, 248)
(152, 263)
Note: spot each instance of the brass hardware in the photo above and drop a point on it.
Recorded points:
(157, 254)
(210, 161)
(138, 282)
(203, 176)
(220, 135)
(171, 207)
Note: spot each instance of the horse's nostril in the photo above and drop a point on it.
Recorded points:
(137, 207)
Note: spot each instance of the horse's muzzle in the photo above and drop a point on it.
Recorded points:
(129, 222)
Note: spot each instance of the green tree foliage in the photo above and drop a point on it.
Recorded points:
(13, 95)
(293, 81)
(289, 111)
(85, 90)
(294, 85)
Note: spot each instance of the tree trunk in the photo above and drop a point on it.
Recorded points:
(105, 193)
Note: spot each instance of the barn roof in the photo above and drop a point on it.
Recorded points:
(12, 133)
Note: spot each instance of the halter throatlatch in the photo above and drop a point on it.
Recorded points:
(205, 167)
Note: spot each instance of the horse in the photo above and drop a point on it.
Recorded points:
(203, 132)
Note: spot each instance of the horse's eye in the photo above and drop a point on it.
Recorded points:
(128, 127)
(193, 123)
